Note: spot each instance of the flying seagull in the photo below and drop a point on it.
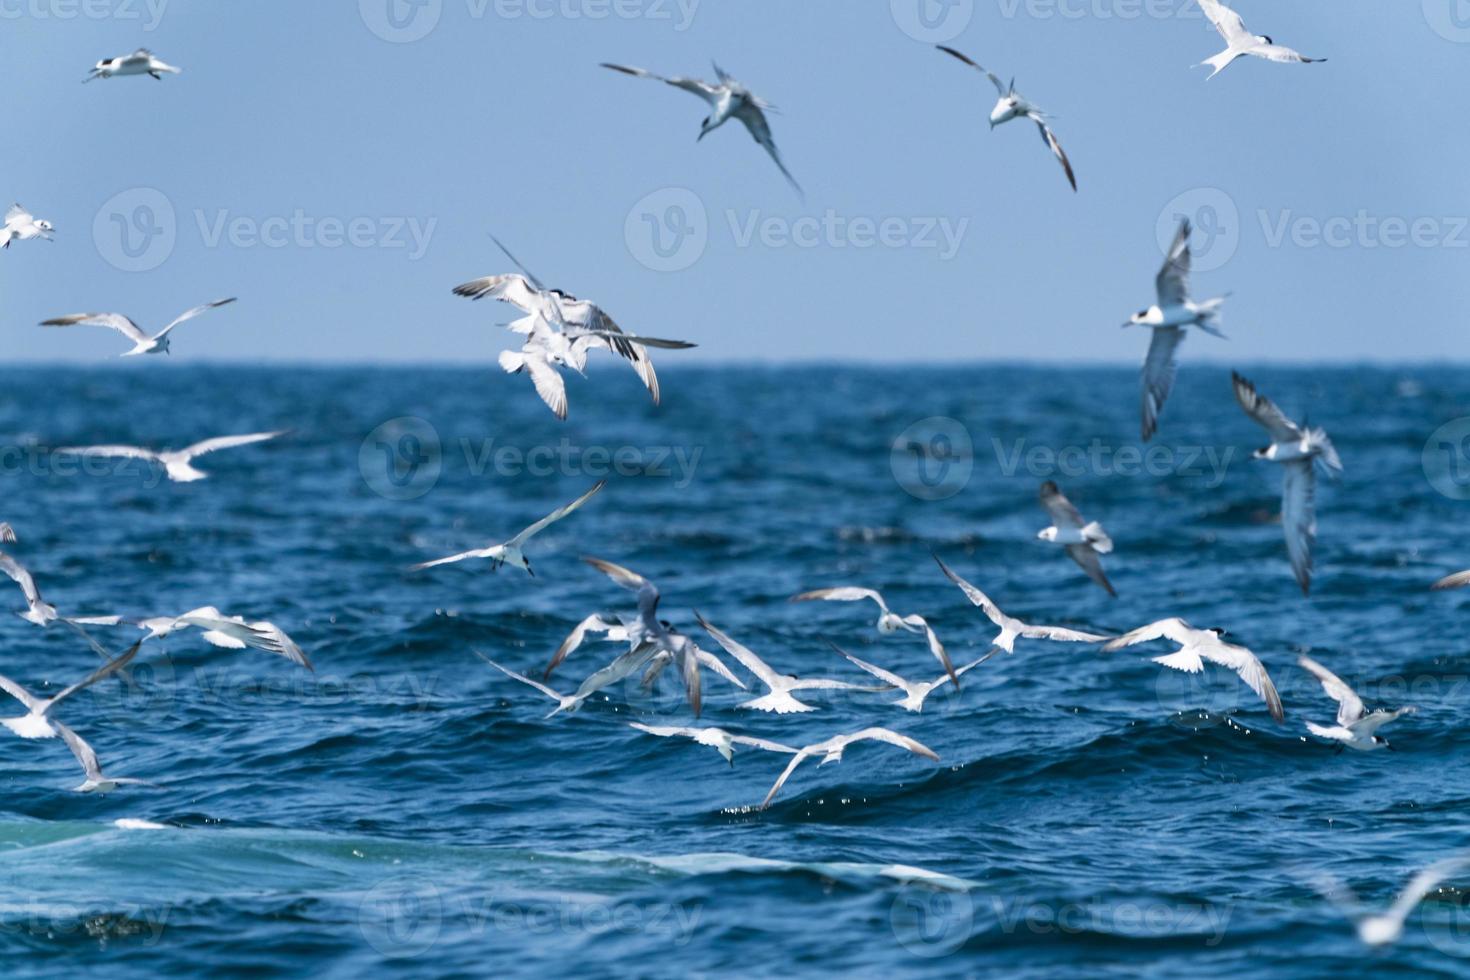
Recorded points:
(832, 749)
(1197, 646)
(510, 552)
(563, 702)
(140, 62)
(718, 739)
(889, 622)
(1013, 105)
(218, 629)
(1297, 449)
(142, 343)
(1083, 540)
(611, 632)
(1387, 927)
(781, 685)
(96, 781)
(1240, 42)
(1356, 726)
(728, 99)
(1167, 318)
(36, 722)
(38, 610)
(20, 225)
(176, 462)
(914, 694)
(1012, 629)
(560, 331)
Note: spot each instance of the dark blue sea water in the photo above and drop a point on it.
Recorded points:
(408, 811)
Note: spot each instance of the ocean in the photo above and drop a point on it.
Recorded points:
(408, 811)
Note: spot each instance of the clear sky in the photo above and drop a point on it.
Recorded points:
(1332, 198)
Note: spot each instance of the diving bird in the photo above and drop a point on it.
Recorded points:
(1384, 928)
(511, 552)
(595, 624)
(96, 781)
(563, 702)
(780, 685)
(1168, 319)
(36, 722)
(177, 463)
(1011, 628)
(831, 751)
(718, 739)
(1013, 105)
(914, 694)
(1083, 540)
(1240, 42)
(140, 62)
(1197, 646)
(560, 331)
(21, 226)
(142, 343)
(1299, 450)
(1356, 726)
(728, 99)
(889, 622)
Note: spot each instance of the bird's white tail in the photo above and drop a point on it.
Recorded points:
(1097, 537)
(780, 702)
(1321, 448)
(1218, 62)
(1320, 731)
(511, 361)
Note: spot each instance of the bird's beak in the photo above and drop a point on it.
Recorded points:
(528, 570)
(1389, 746)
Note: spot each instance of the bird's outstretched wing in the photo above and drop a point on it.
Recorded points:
(230, 442)
(1349, 705)
(1159, 370)
(1050, 139)
(1058, 507)
(1299, 518)
(1172, 282)
(1264, 411)
(1173, 628)
(694, 86)
(1226, 21)
(1089, 561)
(999, 85)
(113, 321)
(191, 314)
(556, 515)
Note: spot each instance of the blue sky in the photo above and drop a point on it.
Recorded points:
(340, 174)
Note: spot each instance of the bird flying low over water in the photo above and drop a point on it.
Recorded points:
(20, 226)
(142, 343)
(1356, 726)
(889, 622)
(831, 751)
(1299, 450)
(1167, 318)
(560, 331)
(1241, 42)
(728, 99)
(36, 722)
(914, 693)
(718, 739)
(1013, 105)
(177, 463)
(140, 62)
(1012, 629)
(96, 781)
(1387, 927)
(1197, 646)
(1083, 540)
(780, 685)
(511, 552)
(217, 629)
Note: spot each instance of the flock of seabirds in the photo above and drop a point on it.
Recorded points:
(560, 331)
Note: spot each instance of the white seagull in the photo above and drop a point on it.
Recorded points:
(560, 331)
(1241, 42)
(728, 100)
(38, 610)
(718, 739)
(1356, 726)
(914, 694)
(21, 226)
(889, 622)
(511, 552)
(831, 751)
(781, 685)
(1297, 449)
(142, 343)
(1083, 540)
(609, 631)
(563, 702)
(140, 62)
(218, 629)
(1387, 927)
(96, 781)
(1013, 105)
(1011, 628)
(1196, 646)
(176, 462)
(1167, 318)
(36, 722)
